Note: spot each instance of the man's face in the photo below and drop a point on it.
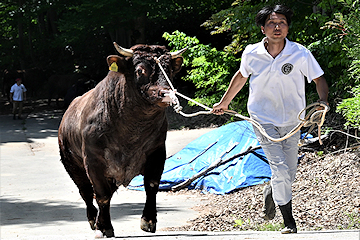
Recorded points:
(276, 27)
(18, 82)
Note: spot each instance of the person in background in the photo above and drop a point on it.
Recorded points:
(17, 97)
(276, 68)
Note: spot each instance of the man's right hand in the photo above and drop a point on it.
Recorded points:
(219, 108)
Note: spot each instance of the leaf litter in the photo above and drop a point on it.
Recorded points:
(326, 196)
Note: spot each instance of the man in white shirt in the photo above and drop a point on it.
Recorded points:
(276, 68)
(17, 96)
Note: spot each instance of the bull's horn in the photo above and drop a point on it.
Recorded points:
(124, 51)
(178, 53)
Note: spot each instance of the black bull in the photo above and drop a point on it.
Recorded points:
(117, 130)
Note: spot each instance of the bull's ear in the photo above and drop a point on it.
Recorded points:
(176, 64)
(116, 63)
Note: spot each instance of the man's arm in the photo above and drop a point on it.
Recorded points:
(322, 88)
(236, 84)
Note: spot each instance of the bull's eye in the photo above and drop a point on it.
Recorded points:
(140, 72)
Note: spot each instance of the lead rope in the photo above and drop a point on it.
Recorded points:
(314, 116)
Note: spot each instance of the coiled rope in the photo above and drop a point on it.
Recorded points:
(315, 116)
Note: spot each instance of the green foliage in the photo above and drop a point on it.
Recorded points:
(348, 27)
(239, 222)
(239, 21)
(353, 221)
(354, 218)
(249, 225)
(320, 153)
(334, 61)
(350, 108)
(209, 69)
(270, 227)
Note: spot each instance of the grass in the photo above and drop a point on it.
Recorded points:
(270, 227)
(354, 218)
(246, 225)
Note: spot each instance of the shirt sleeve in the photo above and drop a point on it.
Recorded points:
(310, 67)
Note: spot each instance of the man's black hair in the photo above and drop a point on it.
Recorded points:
(266, 11)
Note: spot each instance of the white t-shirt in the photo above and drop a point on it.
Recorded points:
(277, 86)
(18, 92)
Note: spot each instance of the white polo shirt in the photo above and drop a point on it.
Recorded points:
(18, 92)
(277, 86)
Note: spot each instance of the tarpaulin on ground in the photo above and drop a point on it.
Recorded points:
(221, 143)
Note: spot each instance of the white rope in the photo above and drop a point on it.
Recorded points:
(315, 116)
(310, 120)
(157, 60)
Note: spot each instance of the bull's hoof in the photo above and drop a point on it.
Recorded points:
(91, 215)
(148, 226)
(92, 224)
(107, 233)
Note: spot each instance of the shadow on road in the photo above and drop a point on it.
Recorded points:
(36, 125)
(16, 212)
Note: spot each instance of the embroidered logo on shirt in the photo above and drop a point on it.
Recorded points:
(287, 68)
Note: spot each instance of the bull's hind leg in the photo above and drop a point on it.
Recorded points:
(78, 175)
(87, 193)
(153, 170)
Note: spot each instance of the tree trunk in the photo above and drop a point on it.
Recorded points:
(21, 35)
(52, 18)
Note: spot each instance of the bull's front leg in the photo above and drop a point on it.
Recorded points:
(153, 170)
(103, 189)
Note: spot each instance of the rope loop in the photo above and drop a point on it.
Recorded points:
(315, 116)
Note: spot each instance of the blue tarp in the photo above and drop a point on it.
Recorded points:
(223, 142)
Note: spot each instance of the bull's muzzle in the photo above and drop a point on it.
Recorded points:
(159, 96)
(166, 97)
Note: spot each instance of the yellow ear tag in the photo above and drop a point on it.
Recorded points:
(113, 67)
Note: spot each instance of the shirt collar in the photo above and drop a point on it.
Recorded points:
(287, 48)
(262, 49)
(285, 51)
